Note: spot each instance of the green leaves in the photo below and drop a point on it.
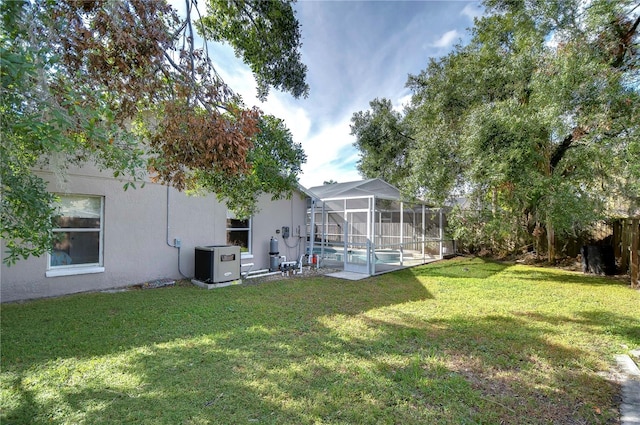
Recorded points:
(383, 139)
(44, 114)
(25, 205)
(123, 86)
(536, 120)
(266, 35)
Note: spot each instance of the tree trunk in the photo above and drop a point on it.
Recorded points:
(551, 242)
(494, 209)
(494, 201)
(635, 251)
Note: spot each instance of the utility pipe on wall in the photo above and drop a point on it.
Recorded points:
(167, 236)
(312, 235)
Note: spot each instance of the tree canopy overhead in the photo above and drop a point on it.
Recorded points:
(535, 120)
(266, 35)
(383, 139)
(122, 84)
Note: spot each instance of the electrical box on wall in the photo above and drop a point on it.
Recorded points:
(285, 232)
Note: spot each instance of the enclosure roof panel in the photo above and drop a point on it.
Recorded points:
(370, 187)
(306, 191)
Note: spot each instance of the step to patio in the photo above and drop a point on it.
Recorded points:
(348, 275)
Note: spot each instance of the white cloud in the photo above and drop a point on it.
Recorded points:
(355, 52)
(472, 10)
(325, 160)
(323, 147)
(401, 102)
(447, 39)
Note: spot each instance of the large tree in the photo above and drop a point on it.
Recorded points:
(124, 85)
(383, 140)
(536, 119)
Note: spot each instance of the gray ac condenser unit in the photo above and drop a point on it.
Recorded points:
(217, 263)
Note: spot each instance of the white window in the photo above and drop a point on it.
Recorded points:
(77, 237)
(239, 233)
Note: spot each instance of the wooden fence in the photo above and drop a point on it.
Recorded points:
(626, 246)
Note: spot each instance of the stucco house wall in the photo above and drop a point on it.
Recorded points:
(139, 228)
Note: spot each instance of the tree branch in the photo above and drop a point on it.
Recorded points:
(634, 27)
(192, 84)
(190, 40)
(249, 15)
(202, 30)
(568, 142)
(560, 150)
(406, 136)
(625, 43)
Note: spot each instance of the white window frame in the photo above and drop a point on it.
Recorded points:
(87, 268)
(232, 216)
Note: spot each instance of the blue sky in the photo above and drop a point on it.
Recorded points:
(355, 51)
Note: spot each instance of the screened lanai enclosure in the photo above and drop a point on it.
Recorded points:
(365, 227)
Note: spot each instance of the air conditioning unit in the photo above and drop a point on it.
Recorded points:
(217, 263)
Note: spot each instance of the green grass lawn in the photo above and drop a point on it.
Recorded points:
(462, 341)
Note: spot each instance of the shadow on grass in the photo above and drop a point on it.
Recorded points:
(188, 352)
(97, 324)
(495, 369)
(609, 322)
(299, 352)
(476, 268)
(598, 321)
(561, 277)
(44, 333)
(514, 371)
